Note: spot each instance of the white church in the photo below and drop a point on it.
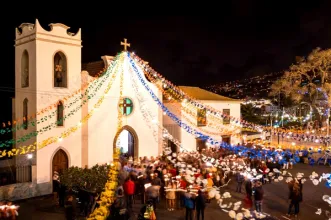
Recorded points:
(48, 69)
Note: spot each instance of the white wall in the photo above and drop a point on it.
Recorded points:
(101, 140)
(42, 46)
(189, 141)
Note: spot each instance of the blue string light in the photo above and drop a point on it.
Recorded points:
(239, 150)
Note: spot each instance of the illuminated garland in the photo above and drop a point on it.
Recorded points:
(180, 107)
(107, 197)
(119, 114)
(36, 146)
(300, 136)
(179, 122)
(19, 123)
(148, 117)
(191, 130)
(87, 95)
(216, 114)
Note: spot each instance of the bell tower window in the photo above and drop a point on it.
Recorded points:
(60, 70)
(25, 69)
(25, 113)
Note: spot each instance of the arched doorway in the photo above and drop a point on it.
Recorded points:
(60, 161)
(127, 140)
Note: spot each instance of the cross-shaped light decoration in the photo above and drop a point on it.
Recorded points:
(58, 68)
(126, 104)
(125, 44)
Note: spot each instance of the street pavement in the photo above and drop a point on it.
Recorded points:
(275, 202)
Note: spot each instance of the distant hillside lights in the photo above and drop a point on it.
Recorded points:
(258, 102)
(266, 104)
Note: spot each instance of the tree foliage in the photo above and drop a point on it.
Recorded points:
(91, 179)
(308, 80)
(250, 113)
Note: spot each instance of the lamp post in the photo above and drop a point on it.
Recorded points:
(283, 118)
(271, 129)
(328, 123)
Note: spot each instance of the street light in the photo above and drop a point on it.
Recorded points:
(328, 123)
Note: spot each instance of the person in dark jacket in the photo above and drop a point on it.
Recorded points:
(189, 205)
(248, 188)
(118, 210)
(240, 180)
(62, 194)
(295, 197)
(200, 204)
(258, 196)
(70, 208)
(156, 181)
(141, 187)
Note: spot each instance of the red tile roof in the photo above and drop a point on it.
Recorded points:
(93, 68)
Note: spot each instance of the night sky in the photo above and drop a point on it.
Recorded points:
(244, 38)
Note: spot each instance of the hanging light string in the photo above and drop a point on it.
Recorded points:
(83, 99)
(149, 117)
(37, 146)
(107, 197)
(184, 126)
(179, 106)
(177, 93)
(178, 121)
(244, 151)
(217, 116)
(18, 123)
(119, 111)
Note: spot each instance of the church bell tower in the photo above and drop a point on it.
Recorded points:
(47, 70)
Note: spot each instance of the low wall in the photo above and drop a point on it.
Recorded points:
(20, 191)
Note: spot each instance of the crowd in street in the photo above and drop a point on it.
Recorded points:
(190, 180)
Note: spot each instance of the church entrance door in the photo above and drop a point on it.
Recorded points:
(127, 141)
(60, 161)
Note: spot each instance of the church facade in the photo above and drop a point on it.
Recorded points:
(49, 72)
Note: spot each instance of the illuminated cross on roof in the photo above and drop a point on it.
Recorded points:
(125, 44)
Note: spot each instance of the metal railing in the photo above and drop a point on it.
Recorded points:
(23, 174)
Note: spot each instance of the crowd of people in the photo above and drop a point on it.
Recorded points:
(190, 180)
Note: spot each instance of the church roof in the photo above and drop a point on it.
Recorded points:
(201, 94)
(93, 68)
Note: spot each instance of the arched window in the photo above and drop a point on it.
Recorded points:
(60, 70)
(59, 116)
(25, 69)
(25, 113)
